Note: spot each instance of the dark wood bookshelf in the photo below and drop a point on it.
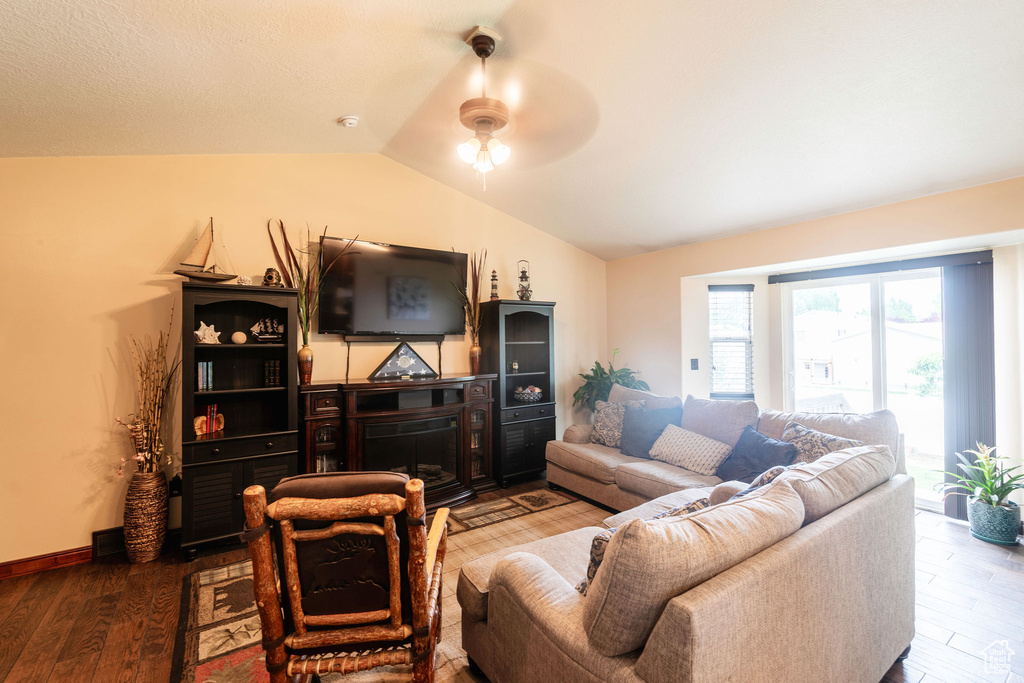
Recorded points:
(259, 442)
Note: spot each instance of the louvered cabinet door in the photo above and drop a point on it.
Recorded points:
(215, 494)
(514, 440)
(267, 472)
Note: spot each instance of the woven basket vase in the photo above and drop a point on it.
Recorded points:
(145, 516)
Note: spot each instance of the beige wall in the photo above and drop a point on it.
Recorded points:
(90, 244)
(646, 316)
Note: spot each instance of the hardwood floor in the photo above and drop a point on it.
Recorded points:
(112, 622)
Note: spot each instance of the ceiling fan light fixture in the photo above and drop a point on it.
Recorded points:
(483, 115)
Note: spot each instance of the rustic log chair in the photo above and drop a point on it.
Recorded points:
(361, 577)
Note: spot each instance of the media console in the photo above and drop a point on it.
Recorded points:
(436, 429)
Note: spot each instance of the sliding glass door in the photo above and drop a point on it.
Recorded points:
(871, 342)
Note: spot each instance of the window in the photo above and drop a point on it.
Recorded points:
(730, 309)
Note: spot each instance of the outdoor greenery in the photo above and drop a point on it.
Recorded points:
(929, 368)
(986, 478)
(598, 383)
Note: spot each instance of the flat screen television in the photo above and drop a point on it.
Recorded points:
(384, 290)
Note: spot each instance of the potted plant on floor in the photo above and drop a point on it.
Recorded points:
(598, 383)
(145, 503)
(987, 483)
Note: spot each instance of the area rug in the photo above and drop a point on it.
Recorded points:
(476, 515)
(218, 637)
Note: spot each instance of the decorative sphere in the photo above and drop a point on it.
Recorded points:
(238, 337)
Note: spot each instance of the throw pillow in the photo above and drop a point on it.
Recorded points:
(690, 450)
(812, 444)
(608, 422)
(601, 540)
(641, 427)
(763, 479)
(753, 454)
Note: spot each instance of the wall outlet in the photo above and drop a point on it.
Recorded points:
(693, 364)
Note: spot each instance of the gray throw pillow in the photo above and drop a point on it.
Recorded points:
(641, 427)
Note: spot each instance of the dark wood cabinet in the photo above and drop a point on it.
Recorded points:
(254, 386)
(439, 430)
(517, 338)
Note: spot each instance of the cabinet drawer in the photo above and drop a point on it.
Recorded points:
(322, 403)
(229, 449)
(479, 390)
(520, 413)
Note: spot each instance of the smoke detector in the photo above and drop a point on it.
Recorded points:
(349, 121)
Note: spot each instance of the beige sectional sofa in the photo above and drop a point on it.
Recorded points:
(621, 482)
(808, 578)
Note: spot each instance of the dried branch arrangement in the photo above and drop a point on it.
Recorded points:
(154, 379)
(304, 270)
(470, 299)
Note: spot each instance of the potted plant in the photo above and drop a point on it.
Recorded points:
(987, 483)
(304, 270)
(598, 383)
(145, 504)
(469, 297)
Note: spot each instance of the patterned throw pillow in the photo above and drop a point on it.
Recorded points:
(600, 543)
(608, 422)
(812, 444)
(766, 477)
(690, 450)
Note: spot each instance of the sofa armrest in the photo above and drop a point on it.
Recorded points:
(726, 490)
(578, 434)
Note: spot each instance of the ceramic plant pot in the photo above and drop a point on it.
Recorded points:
(145, 516)
(305, 364)
(474, 359)
(994, 523)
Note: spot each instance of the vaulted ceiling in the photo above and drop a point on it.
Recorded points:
(636, 126)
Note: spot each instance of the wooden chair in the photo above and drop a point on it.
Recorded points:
(360, 583)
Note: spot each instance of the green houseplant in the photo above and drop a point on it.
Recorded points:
(597, 384)
(987, 483)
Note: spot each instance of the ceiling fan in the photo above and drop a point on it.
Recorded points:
(483, 115)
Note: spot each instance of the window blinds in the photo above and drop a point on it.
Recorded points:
(730, 309)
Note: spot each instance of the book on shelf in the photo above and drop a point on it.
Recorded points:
(204, 375)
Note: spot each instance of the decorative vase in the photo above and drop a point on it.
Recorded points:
(994, 523)
(474, 359)
(305, 364)
(145, 516)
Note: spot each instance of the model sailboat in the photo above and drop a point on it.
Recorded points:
(200, 263)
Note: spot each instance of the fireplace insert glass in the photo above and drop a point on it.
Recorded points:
(427, 449)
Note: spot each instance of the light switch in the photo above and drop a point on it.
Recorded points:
(693, 363)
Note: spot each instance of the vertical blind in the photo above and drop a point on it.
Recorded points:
(730, 314)
(969, 367)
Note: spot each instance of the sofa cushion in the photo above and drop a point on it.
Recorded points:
(620, 394)
(812, 444)
(588, 459)
(653, 478)
(872, 428)
(641, 427)
(652, 508)
(566, 553)
(690, 450)
(753, 454)
(648, 563)
(720, 420)
(725, 491)
(608, 422)
(837, 478)
(601, 539)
